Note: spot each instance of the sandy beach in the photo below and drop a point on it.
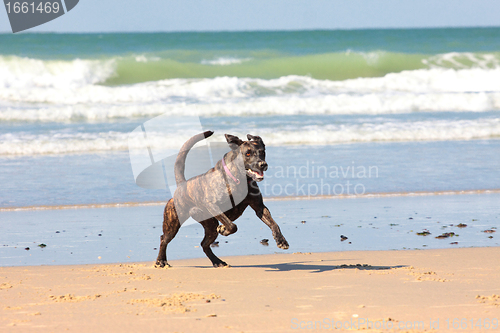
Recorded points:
(410, 291)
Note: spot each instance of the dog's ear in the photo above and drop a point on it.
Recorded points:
(234, 141)
(255, 138)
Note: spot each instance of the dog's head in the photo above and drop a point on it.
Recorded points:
(253, 152)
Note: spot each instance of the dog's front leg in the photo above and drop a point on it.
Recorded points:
(265, 215)
(228, 227)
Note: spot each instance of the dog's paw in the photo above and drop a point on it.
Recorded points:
(220, 264)
(162, 264)
(221, 229)
(282, 243)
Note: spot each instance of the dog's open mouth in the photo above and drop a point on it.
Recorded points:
(255, 175)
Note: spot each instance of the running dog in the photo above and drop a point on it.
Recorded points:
(220, 195)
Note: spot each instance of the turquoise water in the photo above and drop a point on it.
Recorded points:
(410, 41)
(332, 55)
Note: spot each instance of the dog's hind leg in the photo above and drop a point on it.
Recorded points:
(211, 234)
(171, 225)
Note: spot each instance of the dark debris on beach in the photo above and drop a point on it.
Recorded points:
(446, 235)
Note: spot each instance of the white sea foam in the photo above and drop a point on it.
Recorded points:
(25, 73)
(143, 58)
(65, 83)
(75, 83)
(61, 142)
(428, 81)
(460, 60)
(224, 61)
(338, 104)
(233, 96)
(207, 90)
(370, 132)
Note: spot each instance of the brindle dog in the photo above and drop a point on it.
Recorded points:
(219, 195)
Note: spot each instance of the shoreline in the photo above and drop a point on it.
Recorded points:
(131, 234)
(407, 291)
(201, 261)
(280, 198)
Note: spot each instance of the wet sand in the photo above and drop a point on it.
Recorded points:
(131, 234)
(410, 291)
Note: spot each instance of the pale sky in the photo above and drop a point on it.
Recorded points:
(234, 15)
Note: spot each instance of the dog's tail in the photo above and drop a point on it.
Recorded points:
(180, 162)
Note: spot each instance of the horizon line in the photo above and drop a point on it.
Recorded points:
(256, 30)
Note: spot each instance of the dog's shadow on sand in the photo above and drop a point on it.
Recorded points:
(314, 267)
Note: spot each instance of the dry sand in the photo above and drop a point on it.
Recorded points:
(448, 290)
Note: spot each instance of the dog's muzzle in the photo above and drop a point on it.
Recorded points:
(258, 176)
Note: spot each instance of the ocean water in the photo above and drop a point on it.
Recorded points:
(341, 112)
(80, 93)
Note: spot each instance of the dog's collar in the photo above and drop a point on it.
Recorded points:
(228, 172)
